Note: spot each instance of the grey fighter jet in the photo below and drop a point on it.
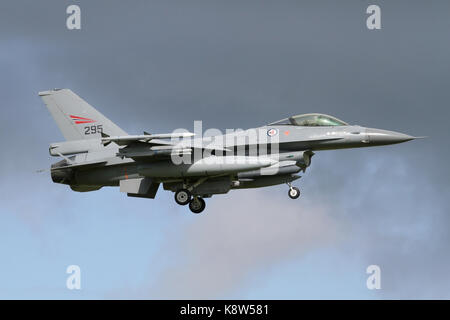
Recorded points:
(98, 153)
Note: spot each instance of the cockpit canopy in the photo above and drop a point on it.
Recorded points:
(311, 120)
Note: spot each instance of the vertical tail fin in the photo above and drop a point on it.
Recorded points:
(76, 118)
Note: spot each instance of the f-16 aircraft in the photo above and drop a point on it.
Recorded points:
(98, 153)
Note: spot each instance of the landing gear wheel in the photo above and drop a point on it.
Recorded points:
(197, 205)
(294, 193)
(182, 197)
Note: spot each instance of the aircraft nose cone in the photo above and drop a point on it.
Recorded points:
(382, 137)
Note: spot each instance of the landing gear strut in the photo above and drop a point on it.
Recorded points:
(183, 197)
(197, 205)
(293, 192)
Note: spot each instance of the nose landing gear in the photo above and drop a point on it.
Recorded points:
(293, 192)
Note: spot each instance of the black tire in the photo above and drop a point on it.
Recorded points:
(182, 197)
(294, 193)
(197, 205)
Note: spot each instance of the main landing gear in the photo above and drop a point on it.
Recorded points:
(293, 192)
(184, 197)
(197, 205)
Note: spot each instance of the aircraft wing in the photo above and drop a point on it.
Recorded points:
(146, 137)
(157, 150)
(153, 146)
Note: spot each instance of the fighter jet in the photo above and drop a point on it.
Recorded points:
(97, 153)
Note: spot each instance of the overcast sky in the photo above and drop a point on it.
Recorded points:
(160, 65)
